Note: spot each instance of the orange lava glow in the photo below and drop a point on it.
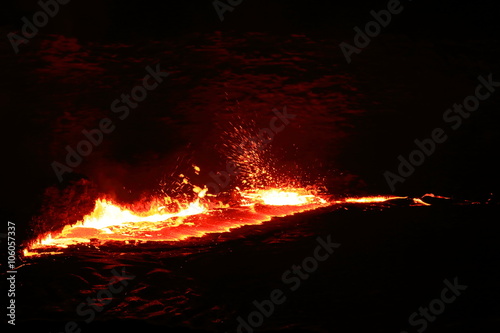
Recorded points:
(162, 222)
(420, 202)
(373, 199)
(107, 214)
(282, 197)
(112, 221)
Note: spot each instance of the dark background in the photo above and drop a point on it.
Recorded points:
(111, 20)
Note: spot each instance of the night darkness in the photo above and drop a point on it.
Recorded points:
(164, 93)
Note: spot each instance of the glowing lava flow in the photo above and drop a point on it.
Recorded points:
(107, 214)
(282, 197)
(368, 199)
(111, 221)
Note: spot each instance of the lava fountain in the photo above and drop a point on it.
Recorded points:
(265, 193)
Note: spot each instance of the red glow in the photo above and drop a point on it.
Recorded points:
(369, 199)
(112, 221)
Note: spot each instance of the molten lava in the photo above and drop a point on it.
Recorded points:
(107, 214)
(280, 197)
(112, 221)
(369, 199)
